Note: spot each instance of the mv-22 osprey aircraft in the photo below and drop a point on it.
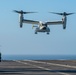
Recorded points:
(43, 27)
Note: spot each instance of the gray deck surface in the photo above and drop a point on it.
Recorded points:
(42, 67)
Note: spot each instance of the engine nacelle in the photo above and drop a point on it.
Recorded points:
(64, 22)
(21, 20)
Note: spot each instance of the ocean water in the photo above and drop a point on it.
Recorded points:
(38, 57)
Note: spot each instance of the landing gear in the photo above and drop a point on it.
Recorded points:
(47, 33)
(35, 32)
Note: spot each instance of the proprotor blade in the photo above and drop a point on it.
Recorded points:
(22, 12)
(56, 13)
(64, 13)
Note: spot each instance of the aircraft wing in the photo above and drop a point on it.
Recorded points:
(54, 23)
(30, 22)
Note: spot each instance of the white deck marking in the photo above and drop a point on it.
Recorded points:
(68, 66)
(41, 67)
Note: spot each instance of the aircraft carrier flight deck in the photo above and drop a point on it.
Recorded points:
(38, 67)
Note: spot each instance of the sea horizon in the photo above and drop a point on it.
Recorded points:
(38, 57)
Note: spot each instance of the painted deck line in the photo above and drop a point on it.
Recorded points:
(40, 67)
(67, 66)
